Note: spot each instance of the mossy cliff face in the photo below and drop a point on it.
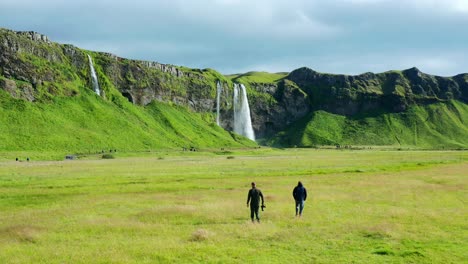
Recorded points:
(141, 82)
(34, 69)
(279, 101)
(391, 91)
(31, 58)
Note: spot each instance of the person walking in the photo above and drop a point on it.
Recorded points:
(254, 198)
(300, 195)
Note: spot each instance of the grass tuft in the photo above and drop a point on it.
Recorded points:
(200, 235)
(383, 252)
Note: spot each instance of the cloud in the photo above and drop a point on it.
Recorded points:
(435, 6)
(340, 36)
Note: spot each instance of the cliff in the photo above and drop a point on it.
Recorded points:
(38, 71)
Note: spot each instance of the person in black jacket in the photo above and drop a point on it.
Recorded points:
(300, 195)
(253, 197)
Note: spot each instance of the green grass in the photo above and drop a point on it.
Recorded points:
(363, 207)
(258, 77)
(86, 123)
(442, 125)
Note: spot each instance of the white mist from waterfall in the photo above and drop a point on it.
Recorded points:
(219, 88)
(242, 120)
(94, 77)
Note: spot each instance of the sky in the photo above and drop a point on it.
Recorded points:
(237, 36)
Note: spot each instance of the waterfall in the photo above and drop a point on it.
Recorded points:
(219, 88)
(94, 77)
(242, 120)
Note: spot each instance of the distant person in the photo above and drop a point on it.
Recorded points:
(300, 195)
(254, 198)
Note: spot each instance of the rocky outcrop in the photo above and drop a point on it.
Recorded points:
(285, 104)
(36, 63)
(391, 91)
(22, 91)
(34, 36)
(142, 82)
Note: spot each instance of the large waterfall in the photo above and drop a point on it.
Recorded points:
(219, 88)
(94, 77)
(242, 120)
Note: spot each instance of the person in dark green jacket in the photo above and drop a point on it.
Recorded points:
(254, 198)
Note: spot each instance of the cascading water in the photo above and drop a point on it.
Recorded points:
(242, 120)
(94, 77)
(219, 88)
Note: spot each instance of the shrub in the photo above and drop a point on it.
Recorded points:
(108, 156)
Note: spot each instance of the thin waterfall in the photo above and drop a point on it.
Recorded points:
(94, 77)
(235, 105)
(242, 120)
(219, 88)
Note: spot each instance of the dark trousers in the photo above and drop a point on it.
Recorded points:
(254, 210)
(299, 207)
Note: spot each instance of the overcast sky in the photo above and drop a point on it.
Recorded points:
(233, 36)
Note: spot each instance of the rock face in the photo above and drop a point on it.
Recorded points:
(38, 67)
(141, 82)
(391, 91)
(33, 68)
(23, 91)
(272, 114)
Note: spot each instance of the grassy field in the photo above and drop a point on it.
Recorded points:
(367, 206)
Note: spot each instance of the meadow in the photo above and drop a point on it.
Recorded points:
(364, 206)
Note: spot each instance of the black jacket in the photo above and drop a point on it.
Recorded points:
(300, 193)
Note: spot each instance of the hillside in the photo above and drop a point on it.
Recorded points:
(85, 123)
(440, 125)
(47, 103)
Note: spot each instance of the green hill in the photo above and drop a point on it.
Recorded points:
(86, 123)
(431, 126)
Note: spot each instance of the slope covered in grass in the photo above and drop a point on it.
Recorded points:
(86, 123)
(436, 125)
